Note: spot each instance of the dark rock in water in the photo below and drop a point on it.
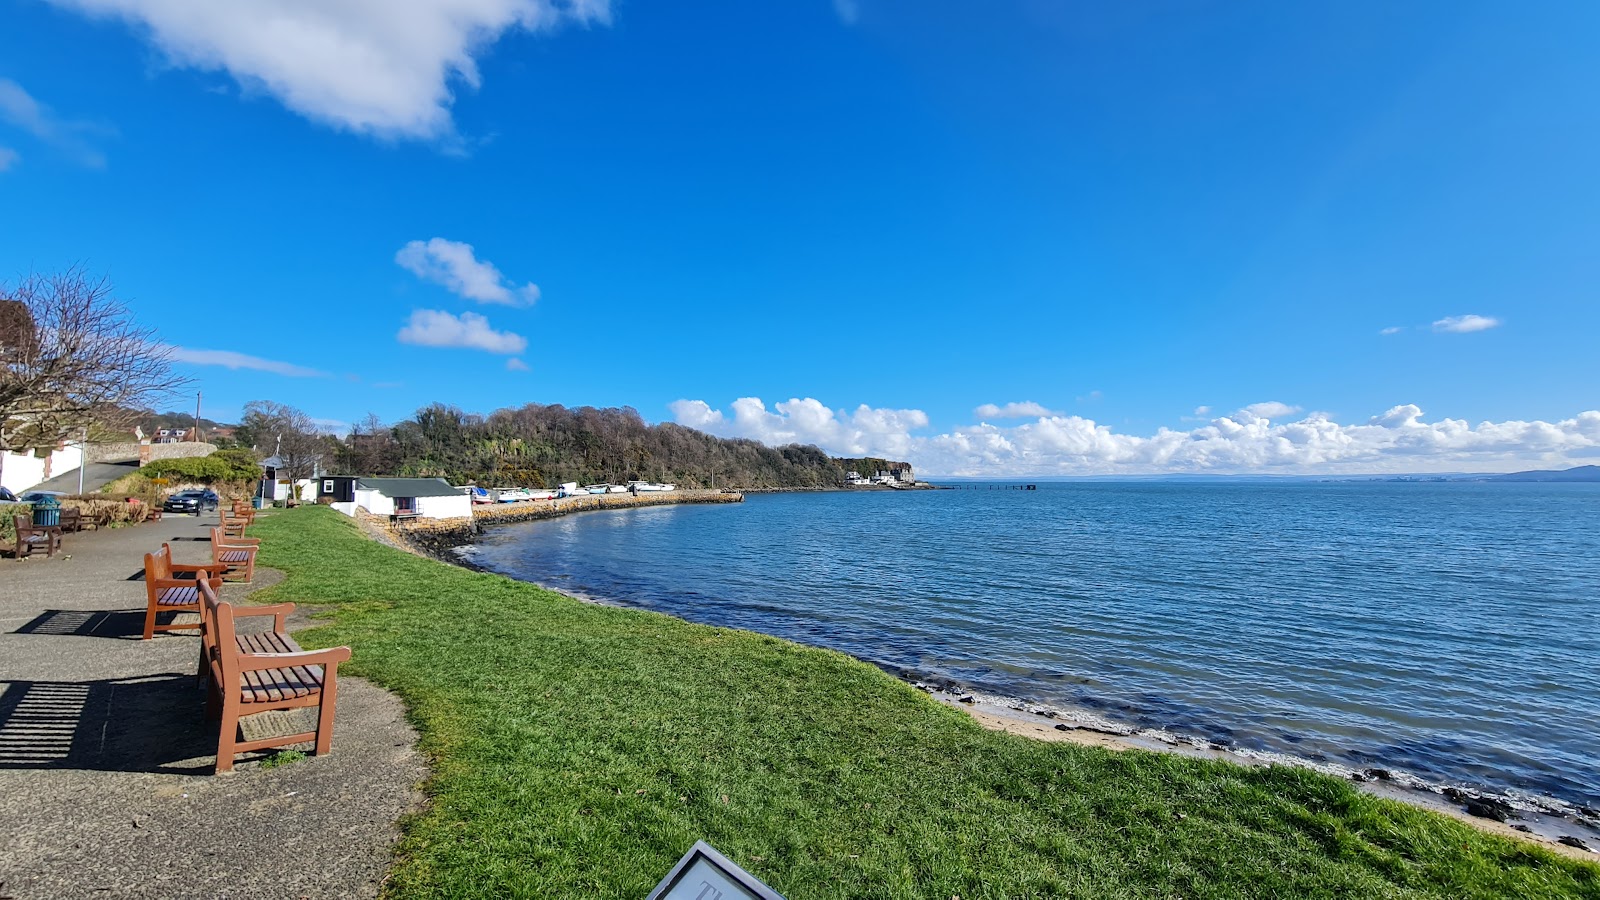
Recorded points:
(1063, 727)
(1357, 776)
(1571, 841)
(1589, 811)
(1455, 794)
(1522, 828)
(1488, 808)
(1378, 774)
(968, 699)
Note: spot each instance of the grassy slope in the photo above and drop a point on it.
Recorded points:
(579, 750)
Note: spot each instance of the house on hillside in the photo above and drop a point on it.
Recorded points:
(403, 498)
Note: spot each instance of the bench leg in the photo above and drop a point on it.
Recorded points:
(325, 710)
(225, 742)
(149, 623)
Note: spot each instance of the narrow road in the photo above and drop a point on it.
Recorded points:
(95, 476)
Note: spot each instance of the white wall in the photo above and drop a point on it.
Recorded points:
(374, 502)
(305, 489)
(21, 471)
(457, 507)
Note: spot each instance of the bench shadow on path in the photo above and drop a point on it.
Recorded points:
(153, 723)
(117, 624)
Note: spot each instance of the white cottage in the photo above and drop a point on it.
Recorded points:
(412, 498)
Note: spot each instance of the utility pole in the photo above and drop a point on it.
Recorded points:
(83, 458)
(197, 415)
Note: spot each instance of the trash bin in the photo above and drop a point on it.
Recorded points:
(255, 502)
(47, 511)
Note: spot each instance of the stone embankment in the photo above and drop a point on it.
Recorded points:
(435, 537)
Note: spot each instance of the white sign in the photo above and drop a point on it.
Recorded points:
(705, 874)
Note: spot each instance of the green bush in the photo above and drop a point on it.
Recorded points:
(8, 529)
(204, 469)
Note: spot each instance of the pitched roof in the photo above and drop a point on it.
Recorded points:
(411, 487)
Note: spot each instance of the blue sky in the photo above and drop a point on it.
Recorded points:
(1191, 216)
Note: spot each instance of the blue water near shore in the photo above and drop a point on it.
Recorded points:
(1450, 631)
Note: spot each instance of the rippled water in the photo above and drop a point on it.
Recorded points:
(1447, 630)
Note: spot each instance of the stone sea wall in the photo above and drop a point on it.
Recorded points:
(436, 537)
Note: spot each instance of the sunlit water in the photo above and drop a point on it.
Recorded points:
(1451, 631)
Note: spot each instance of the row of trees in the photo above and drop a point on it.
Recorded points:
(541, 446)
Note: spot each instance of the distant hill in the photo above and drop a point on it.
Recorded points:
(1581, 473)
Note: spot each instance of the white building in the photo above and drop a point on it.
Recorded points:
(21, 471)
(410, 498)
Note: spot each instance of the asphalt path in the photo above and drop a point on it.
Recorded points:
(106, 753)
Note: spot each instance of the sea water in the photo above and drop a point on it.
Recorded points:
(1446, 630)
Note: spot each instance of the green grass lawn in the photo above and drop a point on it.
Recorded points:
(580, 750)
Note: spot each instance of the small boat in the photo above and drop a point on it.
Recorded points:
(616, 489)
(597, 488)
(541, 495)
(480, 495)
(514, 495)
(641, 487)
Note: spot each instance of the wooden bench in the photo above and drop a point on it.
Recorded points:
(234, 525)
(166, 592)
(247, 674)
(73, 519)
(31, 537)
(233, 554)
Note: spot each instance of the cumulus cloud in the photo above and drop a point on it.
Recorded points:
(1393, 329)
(385, 69)
(231, 360)
(1202, 410)
(1024, 410)
(1271, 409)
(20, 109)
(1397, 440)
(455, 265)
(436, 328)
(516, 365)
(849, 433)
(1465, 324)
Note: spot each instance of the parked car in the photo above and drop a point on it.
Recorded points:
(7, 497)
(36, 496)
(195, 502)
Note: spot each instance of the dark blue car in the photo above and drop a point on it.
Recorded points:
(195, 502)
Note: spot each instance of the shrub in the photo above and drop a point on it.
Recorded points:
(204, 469)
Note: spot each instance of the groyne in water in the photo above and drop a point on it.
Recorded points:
(436, 537)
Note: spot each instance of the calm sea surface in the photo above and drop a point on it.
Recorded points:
(1447, 630)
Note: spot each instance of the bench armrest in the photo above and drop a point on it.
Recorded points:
(241, 541)
(254, 662)
(278, 612)
(186, 567)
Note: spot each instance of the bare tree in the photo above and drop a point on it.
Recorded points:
(289, 434)
(72, 356)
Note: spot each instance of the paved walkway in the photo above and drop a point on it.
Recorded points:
(105, 751)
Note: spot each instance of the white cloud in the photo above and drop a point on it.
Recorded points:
(454, 265)
(865, 430)
(1271, 409)
(1393, 329)
(1399, 440)
(516, 365)
(386, 69)
(8, 158)
(19, 108)
(231, 360)
(436, 328)
(337, 427)
(1465, 324)
(1202, 410)
(848, 11)
(1023, 410)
